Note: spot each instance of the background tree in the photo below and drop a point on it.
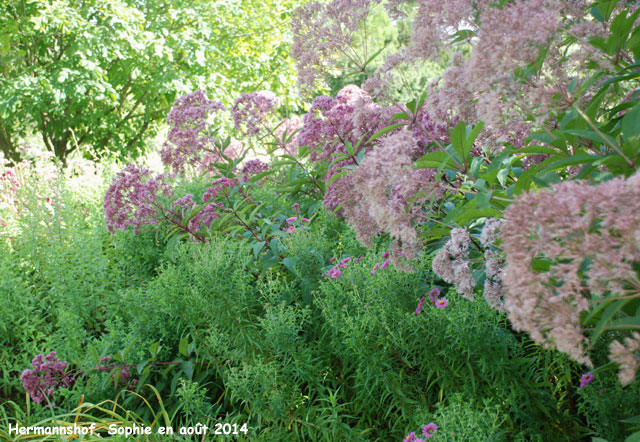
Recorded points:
(99, 76)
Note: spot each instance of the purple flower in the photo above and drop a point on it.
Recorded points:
(384, 264)
(419, 305)
(375, 267)
(429, 429)
(586, 379)
(251, 111)
(434, 294)
(47, 376)
(132, 199)
(188, 137)
(292, 219)
(385, 255)
(306, 220)
(253, 167)
(442, 303)
(332, 259)
(410, 437)
(291, 229)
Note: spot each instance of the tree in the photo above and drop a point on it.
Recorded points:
(100, 75)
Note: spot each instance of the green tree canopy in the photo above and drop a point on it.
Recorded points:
(99, 75)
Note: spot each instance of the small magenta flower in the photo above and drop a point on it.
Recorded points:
(442, 303)
(411, 437)
(332, 259)
(306, 220)
(419, 305)
(336, 273)
(586, 379)
(291, 229)
(346, 260)
(375, 267)
(385, 255)
(429, 430)
(292, 219)
(295, 206)
(384, 264)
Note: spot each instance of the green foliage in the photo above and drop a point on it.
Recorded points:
(100, 77)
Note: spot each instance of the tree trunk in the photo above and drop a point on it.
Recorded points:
(7, 147)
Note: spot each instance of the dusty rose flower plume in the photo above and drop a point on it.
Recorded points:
(582, 237)
(627, 356)
(47, 375)
(189, 137)
(452, 263)
(132, 199)
(250, 111)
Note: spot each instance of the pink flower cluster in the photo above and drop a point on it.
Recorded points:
(47, 375)
(320, 30)
(330, 123)
(564, 247)
(251, 110)
(336, 270)
(627, 355)
(428, 431)
(132, 199)
(189, 134)
(218, 186)
(452, 263)
(253, 167)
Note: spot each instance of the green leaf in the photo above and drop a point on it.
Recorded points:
(187, 368)
(183, 346)
(384, 131)
(434, 160)
(609, 312)
(257, 248)
(631, 420)
(631, 123)
(290, 263)
(606, 8)
(473, 214)
(635, 437)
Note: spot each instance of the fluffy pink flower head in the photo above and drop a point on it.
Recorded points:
(442, 303)
(291, 229)
(188, 136)
(586, 379)
(47, 375)
(292, 219)
(384, 264)
(250, 111)
(385, 255)
(132, 199)
(429, 430)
